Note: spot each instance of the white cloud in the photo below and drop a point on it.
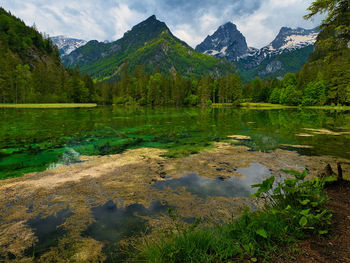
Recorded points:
(190, 20)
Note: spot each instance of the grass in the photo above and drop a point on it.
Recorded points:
(294, 210)
(263, 106)
(49, 105)
(254, 105)
(328, 107)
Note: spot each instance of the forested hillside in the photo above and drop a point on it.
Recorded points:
(31, 70)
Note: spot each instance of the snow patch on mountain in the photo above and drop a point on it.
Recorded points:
(298, 41)
(66, 44)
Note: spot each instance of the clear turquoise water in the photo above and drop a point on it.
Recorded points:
(35, 139)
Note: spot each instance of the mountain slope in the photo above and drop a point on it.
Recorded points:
(66, 45)
(277, 65)
(31, 70)
(286, 53)
(150, 43)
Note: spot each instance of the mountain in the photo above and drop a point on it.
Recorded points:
(150, 43)
(286, 53)
(226, 42)
(286, 41)
(66, 44)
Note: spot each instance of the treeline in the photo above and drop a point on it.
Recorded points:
(158, 88)
(315, 85)
(289, 91)
(31, 70)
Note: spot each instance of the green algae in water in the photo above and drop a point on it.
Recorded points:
(36, 139)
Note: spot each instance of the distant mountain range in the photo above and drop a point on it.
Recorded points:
(272, 60)
(66, 44)
(149, 43)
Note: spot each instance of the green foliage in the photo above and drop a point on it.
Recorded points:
(191, 100)
(294, 210)
(275, 96)
(290, 96)
(338, 15)
(314, 94)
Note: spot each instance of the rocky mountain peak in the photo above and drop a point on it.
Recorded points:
(227, 41)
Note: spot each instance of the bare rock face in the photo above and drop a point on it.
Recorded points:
(227, 42)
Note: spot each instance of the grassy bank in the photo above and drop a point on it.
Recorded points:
(253, 105)
(328, 107)
(49, 105)
(293, 210)
(266, 106)
(260, 105)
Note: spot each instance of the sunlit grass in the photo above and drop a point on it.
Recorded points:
(261, 105)
(329, 107)
(50, 105)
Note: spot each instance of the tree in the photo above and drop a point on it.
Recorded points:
(22, 83)
(275, 96)
(256, 88)
(237, 89)
(154, 91)
(314, 94)
(338, 15)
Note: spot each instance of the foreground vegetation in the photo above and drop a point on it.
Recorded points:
(294, 210)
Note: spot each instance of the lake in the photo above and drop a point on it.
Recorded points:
(36, 139)
(83, 205)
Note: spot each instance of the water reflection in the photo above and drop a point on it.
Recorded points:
(48, 230)
(113, 223)
(231, 187)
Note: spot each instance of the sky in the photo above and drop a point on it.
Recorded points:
(189, 20)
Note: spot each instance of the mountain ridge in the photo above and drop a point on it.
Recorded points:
(249, 59)
(159, 46)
